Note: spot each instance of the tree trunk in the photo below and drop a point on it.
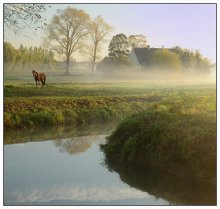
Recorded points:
(67, 64)
(94, 58)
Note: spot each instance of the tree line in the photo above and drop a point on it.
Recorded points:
(24, 58)
(174, 59)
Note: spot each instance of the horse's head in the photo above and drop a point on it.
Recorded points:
(34, 73)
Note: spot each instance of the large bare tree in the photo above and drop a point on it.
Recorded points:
(66, 32)
(98, 30)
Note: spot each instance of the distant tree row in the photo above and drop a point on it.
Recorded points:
(24, 58)
(180, 60)
(193, 60)
(175, 59)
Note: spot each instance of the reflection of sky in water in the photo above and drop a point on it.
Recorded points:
(64, 192)
(39, 172)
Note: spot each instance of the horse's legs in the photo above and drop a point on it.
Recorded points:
(36, 84)
(42, 84)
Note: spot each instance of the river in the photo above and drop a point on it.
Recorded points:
(65, 166)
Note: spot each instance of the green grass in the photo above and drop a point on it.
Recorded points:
(78, 103)
(26, 112)
(183, 143)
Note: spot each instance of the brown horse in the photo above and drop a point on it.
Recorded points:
(39, 77)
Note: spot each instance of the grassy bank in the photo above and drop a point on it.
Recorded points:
(25, 112)
(180, 143)
(81, 103)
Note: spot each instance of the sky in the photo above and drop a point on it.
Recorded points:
(191, 26)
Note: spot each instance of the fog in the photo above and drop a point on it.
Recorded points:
(160, 76)
(56, 73)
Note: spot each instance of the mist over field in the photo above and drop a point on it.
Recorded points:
(126, 75)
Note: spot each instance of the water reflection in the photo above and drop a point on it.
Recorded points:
(77, 145)
(78, 194)
(66, 168)
(59, 132)
(39, 174)
(175, 189)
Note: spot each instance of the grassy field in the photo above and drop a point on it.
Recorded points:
(77, 102)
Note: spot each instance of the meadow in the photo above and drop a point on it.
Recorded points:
(84, 101)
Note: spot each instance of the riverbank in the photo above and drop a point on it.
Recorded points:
(179, 143)
(23, 112)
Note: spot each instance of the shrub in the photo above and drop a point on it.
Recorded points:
(169, 140)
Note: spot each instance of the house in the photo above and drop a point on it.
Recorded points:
(141, 56)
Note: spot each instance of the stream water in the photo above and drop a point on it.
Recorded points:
(66, 166)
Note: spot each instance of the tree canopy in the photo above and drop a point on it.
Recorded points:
(98, 30)
(165, 60)
(19, 17)
(66, 32)
(137, 41)
(119, 46)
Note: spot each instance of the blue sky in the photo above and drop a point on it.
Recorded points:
(191, 26)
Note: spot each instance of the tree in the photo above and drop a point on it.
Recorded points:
(19, 17)
(165, 60)
(23, 58)
(119, 50)
(201, 64)
(137, 41)
(73, 145)
(98, 31)
(193, 61)
(119, 46)
(67, 31)
(9, 53)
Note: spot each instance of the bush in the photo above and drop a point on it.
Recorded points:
(173, 141)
